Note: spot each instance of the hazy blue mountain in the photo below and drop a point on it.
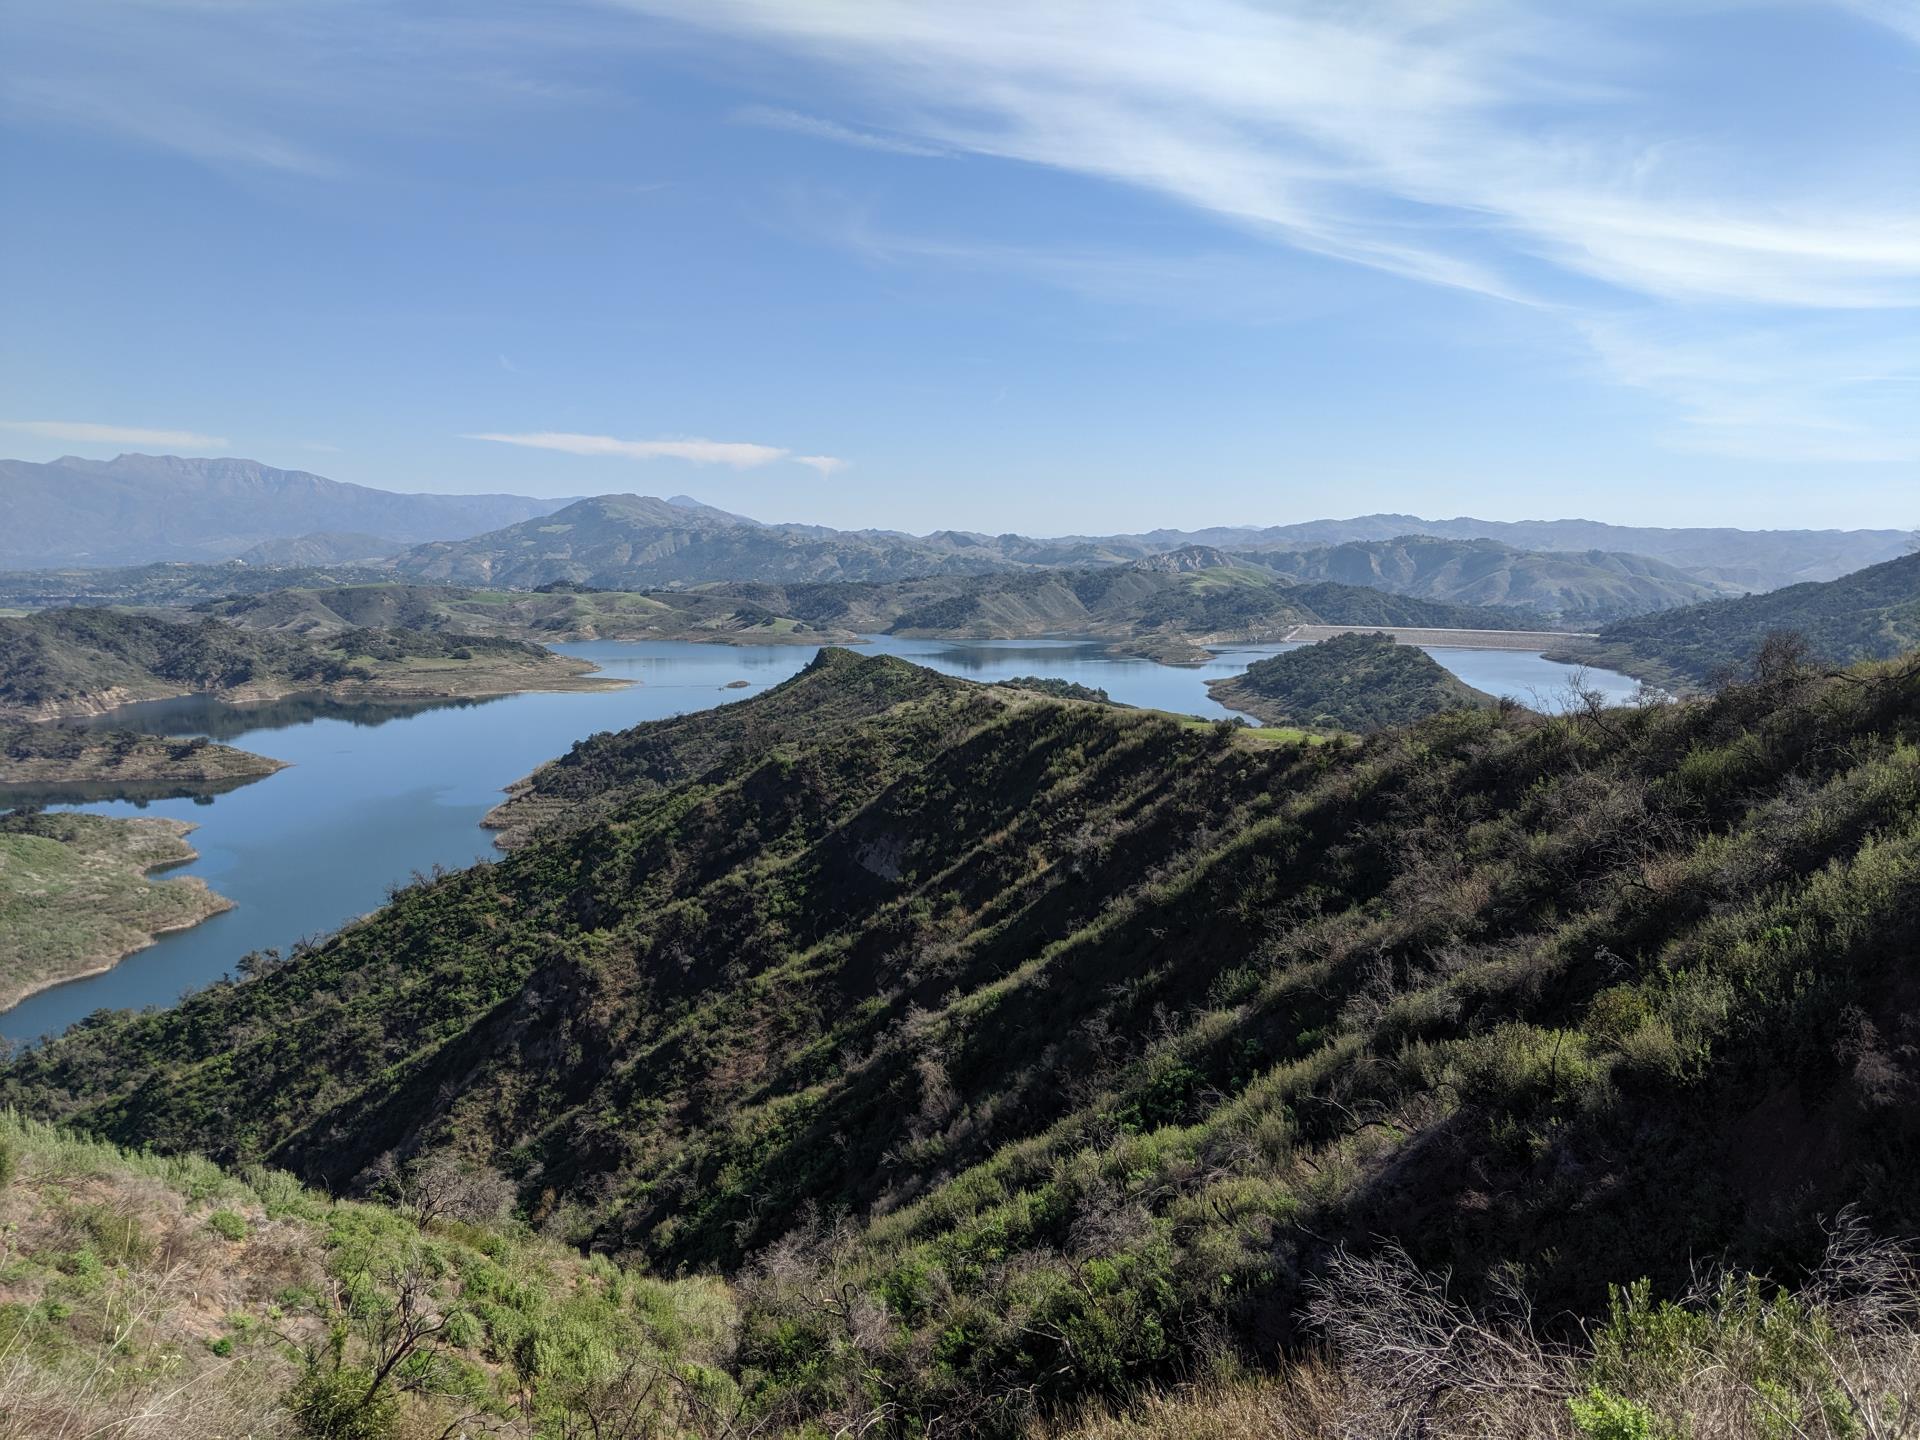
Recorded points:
(324, 547)
(139, 508)
(1576, 569)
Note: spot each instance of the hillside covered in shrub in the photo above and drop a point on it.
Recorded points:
(1008, 1054)
(1872, 614)
(1352, 682)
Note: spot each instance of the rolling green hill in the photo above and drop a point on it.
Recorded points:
(1868, 615)
(1351, 682)
(1006, 1051)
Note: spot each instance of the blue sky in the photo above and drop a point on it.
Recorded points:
(1082, 265)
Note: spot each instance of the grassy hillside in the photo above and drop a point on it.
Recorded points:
(81, 661)
(1352, 682)
(1873, 614)
(149, 1298)
(1009, 1051)
(75, 897)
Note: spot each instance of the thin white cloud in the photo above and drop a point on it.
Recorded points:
(1900, 16)
(741, 455)
(771, 117)
(1451, 143)
(86, 433)
(1836, 392)
(825, 464)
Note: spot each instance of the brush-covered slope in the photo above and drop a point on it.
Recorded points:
(162, 1298)
(1869, 615)
(1574, 587)
(1351, 682)
(1035, 1047)
(84, 661)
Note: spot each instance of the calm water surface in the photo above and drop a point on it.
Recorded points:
(376, 792)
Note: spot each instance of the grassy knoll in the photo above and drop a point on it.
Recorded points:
(1354, 682)
(75, 897)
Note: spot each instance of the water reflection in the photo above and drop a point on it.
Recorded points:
(222, 720)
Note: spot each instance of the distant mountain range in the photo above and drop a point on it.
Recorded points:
(139, 508)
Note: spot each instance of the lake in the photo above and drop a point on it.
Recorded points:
(376, 792)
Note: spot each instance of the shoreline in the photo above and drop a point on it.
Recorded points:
(100, 962)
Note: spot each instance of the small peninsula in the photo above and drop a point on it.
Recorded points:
(38, 755)
(82, 661)
(75, 897)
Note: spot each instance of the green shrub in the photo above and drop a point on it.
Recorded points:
(340, 1404)
(227, 1225)
(1603, 1416)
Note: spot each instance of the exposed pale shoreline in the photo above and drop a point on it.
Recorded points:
(107, 850)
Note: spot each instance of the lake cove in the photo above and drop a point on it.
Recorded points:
(375, 792)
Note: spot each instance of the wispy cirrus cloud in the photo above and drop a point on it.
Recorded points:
(772, 117)
(1555, 156)
(83, 432)
(825, 464)
(737, 454)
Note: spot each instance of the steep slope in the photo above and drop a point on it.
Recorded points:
(1352, 682)
(138, 508)
(1871, 614)
(1575, 588)
(1034, 1047)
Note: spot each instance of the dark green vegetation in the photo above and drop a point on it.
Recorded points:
(40, 755)
(1352, 682)
(1576, 588)
(1873, 614)
(1008, 1051)
(83, 661)
(138, 508)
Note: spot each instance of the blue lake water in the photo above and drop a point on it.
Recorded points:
(374, 793)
